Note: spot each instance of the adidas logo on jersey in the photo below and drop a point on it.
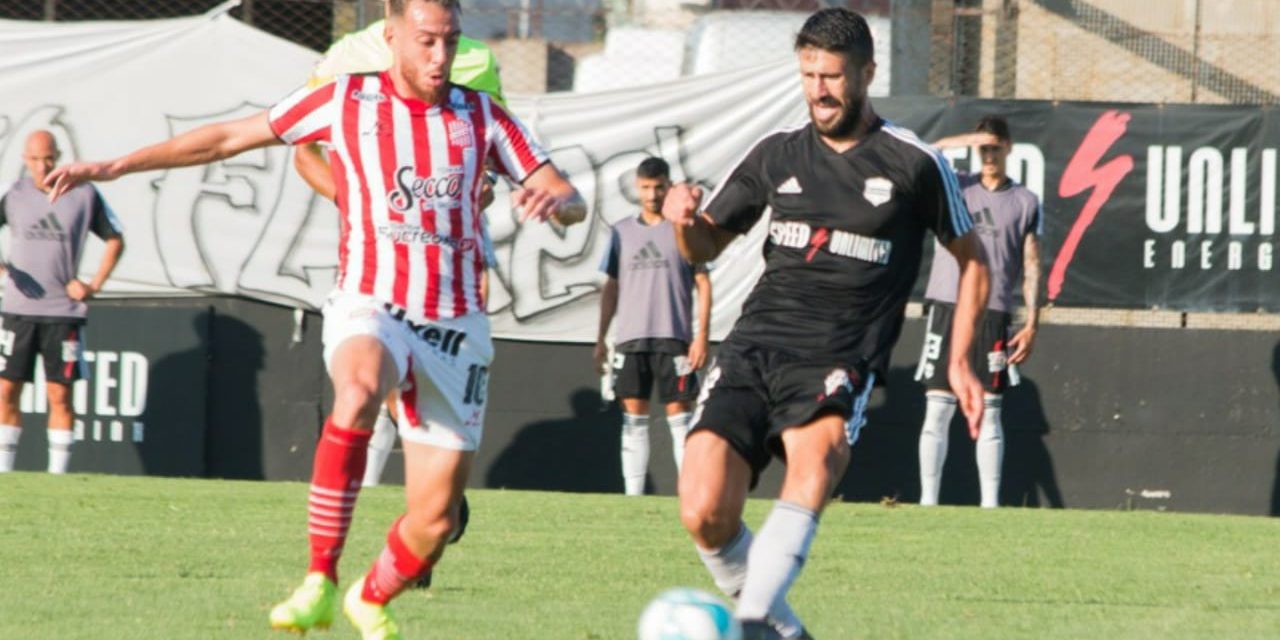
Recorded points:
(649, 257)
(790, 188)
(47, 229)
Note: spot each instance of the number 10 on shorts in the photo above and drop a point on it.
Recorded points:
(477, 382)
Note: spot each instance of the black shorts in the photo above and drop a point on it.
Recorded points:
(22, 338)
(754, 393)
(990, 357)
(636, 374)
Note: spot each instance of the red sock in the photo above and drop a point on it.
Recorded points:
(394, 570)
(335, 483)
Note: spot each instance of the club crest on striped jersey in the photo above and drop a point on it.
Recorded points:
(460, 134)
(414, 192)
(877, 191)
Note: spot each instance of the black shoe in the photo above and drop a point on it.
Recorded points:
(759, 630)
(804, 635)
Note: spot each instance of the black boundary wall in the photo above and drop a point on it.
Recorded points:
(1108, 417)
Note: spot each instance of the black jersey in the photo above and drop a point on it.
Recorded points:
(845, 238)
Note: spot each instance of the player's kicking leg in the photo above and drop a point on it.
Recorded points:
(362, 370)
(434, 481)
(817, 455)
(441, 408)
(713, 490)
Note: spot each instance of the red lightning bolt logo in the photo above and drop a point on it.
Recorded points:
(819, 238)
(1084, 172)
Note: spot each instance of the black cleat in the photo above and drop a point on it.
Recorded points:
(759, 630)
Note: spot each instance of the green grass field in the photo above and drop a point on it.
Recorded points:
(139, 558)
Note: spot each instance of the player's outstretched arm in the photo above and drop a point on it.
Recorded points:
(699, 239)
(971, 303)
(547, 195)
(199, 146)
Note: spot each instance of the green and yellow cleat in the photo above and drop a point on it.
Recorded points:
(312, 606)
(374, 621)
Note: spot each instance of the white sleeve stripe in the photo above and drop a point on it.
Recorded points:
(738, 163)
(498, 141)
(315, 121)
(960, 221)
(1039, 218)
(288, 103)
(488, 116)
(510, 155)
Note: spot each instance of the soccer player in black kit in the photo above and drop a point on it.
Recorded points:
(852, 198)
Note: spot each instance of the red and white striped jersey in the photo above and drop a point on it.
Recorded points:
(408, 178)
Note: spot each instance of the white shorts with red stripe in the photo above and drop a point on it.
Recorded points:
(443, 366)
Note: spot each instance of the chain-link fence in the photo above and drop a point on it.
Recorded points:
(1170, 51)
(307, 22)
(1219, 51)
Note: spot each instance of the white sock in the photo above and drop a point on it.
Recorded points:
(939, 408)
(776, 559)
(990, 452)
(635, 452)
(8, 446)
(59, 449)
(380, 445)
(679, 426)
(728, 568)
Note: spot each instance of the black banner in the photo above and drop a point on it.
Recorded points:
(1146, 206)
(141, 409)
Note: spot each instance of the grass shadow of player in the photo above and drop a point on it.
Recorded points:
(1275, 486)
(578, 453)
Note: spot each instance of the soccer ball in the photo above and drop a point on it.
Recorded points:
(688, 614)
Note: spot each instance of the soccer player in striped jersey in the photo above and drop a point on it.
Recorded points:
(366, 51)
(853, 197)
(410, 150)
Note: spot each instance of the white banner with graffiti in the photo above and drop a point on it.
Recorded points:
(250, 226)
